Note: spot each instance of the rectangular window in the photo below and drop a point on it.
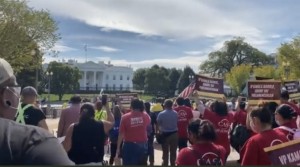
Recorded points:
(114, 77)
(121, 87)
(107, 77)
(114, 87)
(128, 78)
(121, 77)
(106, 86)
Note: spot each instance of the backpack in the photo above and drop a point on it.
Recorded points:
(238, 136)
(295, 132)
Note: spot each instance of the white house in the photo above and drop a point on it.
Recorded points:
(96, 76)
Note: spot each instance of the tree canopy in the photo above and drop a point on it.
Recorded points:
(24, 30)
(65, 78)
(234, 53)
(238, 76)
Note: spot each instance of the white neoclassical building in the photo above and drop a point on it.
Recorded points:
(97, 76)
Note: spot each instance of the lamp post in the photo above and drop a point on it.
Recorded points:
(34, 54)
(286, 66)
(49, 74)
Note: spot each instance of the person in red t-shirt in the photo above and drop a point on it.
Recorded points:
(253, 151)
(284, 99)
(284, 116)
(185, 114)
(221, 120)
(241, 115)
(203, 151)
(133, 130)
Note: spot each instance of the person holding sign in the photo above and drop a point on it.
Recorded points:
(284, 117)
(252, 152)
(203, 150)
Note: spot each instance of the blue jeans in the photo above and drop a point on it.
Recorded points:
(134, 153)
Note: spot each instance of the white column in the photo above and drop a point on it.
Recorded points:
(84, 79)
(95, 78)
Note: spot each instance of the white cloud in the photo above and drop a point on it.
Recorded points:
(180, 19)
(105, 49)
(63, 48)
(194, 52)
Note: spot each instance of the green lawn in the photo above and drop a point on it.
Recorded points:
(67, 97)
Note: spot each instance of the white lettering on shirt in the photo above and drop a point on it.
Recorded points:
(136, 121)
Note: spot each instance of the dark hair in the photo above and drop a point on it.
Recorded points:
(286, 112)
(220, 108)
(180, 101)
(272, 106)
(187, 102)
(117, 112)
(137, 104)
(285, 95)
(242, 105)
(263, 114)
(87, 112)
(76, 99)
(147, 107)
(202, 129)
(168, 103)
(98, 105)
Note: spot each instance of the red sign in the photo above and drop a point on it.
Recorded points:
(285, 154)
(266, 90)
(210, 85)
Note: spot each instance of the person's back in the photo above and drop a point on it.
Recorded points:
(87, 142)
(29, 145)
(69, 116)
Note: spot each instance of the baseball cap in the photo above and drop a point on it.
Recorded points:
(29, 91)
(6, 71)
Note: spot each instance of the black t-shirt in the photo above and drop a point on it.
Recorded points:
(33, 115)
(29, 145)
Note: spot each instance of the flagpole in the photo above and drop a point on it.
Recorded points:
(85, 50)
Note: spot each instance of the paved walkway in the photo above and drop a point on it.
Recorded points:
(231, 161)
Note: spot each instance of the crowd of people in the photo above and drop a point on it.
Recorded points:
(197, 132)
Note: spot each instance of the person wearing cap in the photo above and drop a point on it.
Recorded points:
(28, 113)
(22, 144)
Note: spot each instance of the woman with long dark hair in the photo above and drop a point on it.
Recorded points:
(151, 133)
(221, 120)
(203, 151)
(114, 133)
(85, 140)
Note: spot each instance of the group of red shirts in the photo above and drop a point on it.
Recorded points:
(134, 127)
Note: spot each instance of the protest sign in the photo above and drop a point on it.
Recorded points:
(263, 90)
(125, 99)
(293, 88)
(287, 153)
(208, 87)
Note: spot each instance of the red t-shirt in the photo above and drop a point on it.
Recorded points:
(202, 154)
(134, 126)
(294, 106)
(222, 127)
(291, 125)
(240, 117)
(252, 153)
(185, 114)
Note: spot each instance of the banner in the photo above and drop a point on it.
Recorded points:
(293, 88)
(209, 87)
(124, 100)
(287, 153)
(263, 90)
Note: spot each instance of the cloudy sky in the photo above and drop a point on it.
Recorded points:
(172, 33)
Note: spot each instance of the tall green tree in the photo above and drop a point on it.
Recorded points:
(173, 77)
(156, 81)
(64, 79)
(234, 52)
(238, 76)
(139, 79)
(289, 53)
(267, 71)
(22, 30)
(184, 79)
